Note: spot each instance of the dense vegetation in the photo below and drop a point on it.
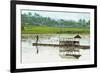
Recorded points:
(39, 24)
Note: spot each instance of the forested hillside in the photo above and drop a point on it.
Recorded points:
(38, 20)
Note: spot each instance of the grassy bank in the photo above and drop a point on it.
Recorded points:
(53, 30)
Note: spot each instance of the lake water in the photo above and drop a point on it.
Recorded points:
(50, 54)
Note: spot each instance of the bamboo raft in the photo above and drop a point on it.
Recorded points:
(60, 45)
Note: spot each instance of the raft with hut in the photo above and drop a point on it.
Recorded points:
(70, 46)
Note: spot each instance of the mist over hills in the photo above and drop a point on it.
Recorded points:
(38, 20)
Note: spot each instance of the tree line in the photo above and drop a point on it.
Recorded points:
(38, 20)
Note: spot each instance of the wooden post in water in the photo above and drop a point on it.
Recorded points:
(37, 39)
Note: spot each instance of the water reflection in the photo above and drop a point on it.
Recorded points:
(37, 54)
(70, 52)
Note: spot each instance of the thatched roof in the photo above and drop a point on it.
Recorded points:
(77, 36)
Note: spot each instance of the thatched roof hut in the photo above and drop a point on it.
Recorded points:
(78, 36)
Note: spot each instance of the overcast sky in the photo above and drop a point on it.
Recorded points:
(60, 15)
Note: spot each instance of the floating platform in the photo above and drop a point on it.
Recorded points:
(61, 45)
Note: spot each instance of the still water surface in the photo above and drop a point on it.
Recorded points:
(49, 53)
